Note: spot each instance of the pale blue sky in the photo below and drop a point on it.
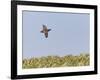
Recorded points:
(69, 34)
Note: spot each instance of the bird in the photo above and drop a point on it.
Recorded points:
(45, 31)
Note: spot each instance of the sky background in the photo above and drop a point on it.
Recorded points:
(69, 34)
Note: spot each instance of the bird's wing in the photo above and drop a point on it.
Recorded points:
(44, 27)
(41, 31)
(46, 35)
(49, 29)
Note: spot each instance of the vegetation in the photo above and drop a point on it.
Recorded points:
(56, 61)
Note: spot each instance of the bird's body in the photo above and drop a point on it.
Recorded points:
(45, 31)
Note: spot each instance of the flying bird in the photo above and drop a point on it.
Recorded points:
(45, 31)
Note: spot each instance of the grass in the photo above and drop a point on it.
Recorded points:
(56, 61)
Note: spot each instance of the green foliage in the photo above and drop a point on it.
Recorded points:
(57, 61)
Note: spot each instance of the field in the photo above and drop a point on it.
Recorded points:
(56, 61)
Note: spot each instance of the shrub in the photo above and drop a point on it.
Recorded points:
(57, 61)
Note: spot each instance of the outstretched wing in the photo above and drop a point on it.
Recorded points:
(46, 35)
(49, 29)
(44, 27)
(41, 31)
